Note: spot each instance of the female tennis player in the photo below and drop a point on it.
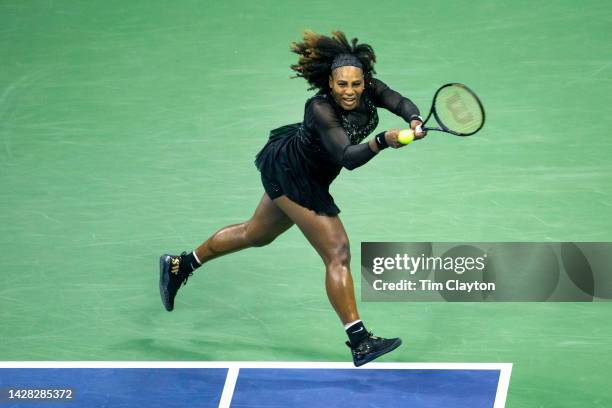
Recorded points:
(298, 164)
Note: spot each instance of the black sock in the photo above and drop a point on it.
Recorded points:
(356, 333)
(189, 263)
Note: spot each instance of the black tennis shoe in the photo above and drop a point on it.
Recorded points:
(171, 277)
(371, 348)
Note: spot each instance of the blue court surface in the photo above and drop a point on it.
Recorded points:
(252, 384)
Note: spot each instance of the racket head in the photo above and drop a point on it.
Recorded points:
(457, 110)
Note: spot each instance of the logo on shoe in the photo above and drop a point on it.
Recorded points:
(175, 266)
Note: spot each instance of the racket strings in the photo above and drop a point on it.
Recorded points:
(458, 110)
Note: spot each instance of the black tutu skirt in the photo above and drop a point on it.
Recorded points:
(287, 170)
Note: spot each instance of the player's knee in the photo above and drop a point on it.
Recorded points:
(340, 255)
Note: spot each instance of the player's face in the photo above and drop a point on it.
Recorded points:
(347, 85)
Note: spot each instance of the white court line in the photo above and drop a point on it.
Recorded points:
(253, 364)
(502, 386)
(228, 388)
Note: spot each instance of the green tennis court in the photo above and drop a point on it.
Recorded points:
(129, 129)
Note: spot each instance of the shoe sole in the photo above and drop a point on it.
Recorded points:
(374, 356)
(163, 282)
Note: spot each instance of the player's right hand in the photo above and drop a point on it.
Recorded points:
(418, 134)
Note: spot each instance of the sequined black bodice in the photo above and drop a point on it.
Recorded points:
(356, 131)
(322, 111)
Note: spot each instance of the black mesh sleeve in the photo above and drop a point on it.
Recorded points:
(385, 97)
(334, 138)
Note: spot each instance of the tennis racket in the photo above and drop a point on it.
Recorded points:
(457, 110)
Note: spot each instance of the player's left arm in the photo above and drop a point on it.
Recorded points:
(393, 101)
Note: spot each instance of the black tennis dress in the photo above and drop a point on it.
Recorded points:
(301, 160)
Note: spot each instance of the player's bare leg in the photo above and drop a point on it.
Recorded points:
(267, 223)
(328, 236)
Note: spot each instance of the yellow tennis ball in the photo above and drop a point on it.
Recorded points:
(405, 136)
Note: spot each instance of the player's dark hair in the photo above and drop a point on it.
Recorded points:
(317, 52)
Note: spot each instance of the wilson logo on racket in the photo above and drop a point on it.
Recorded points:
(458, 109)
